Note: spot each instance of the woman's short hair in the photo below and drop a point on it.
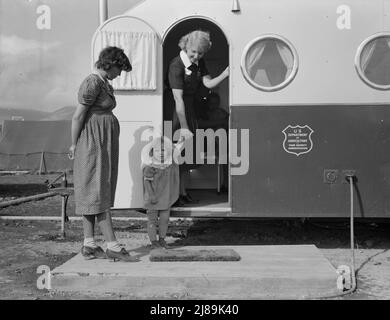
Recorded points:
(196, 39)
(113, 57)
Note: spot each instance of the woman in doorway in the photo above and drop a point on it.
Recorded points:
(186, 73)
(95, 148)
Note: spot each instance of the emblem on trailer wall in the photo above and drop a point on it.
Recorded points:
(297, 139)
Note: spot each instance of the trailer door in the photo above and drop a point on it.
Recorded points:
(138, 95)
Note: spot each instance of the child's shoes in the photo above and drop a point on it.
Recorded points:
(163, 244)
(155, 245)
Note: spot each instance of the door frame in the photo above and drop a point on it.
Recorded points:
(206, 210)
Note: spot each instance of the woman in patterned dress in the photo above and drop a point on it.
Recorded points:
(95, 148)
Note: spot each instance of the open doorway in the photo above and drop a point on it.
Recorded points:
(207, 183)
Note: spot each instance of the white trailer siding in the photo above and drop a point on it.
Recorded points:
(326, 71)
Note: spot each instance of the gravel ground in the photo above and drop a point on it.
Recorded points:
(29, 244)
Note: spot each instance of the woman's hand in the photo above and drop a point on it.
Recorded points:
(210, 83)
(72, 151)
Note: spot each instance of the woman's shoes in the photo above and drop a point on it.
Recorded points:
(179, 203)
(122, 255)
(183, 200)
(93, 253)
(187, 199)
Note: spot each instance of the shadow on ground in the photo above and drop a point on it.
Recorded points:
(331, 234)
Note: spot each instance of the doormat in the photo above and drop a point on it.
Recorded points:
(194, 255)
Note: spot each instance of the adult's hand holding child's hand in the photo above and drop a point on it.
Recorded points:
(185, 134)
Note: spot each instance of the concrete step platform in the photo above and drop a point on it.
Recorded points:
(264, 272)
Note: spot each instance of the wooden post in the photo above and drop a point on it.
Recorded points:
(63, 214)
(27, 199)
(42, 163)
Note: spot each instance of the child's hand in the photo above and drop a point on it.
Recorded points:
(185, 134)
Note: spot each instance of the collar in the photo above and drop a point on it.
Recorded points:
(186, 61)
(95, 71)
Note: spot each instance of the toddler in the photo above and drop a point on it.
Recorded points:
(161, 188)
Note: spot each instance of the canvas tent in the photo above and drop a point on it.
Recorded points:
(35, 145)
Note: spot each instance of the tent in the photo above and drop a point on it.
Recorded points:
(35, 145)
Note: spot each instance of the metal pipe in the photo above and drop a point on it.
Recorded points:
(352, 235)
(350, 178)
(103, 11)
(236, 6)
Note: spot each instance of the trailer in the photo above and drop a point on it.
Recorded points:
(308, 98)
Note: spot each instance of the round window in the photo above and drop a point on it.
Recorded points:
(269, 63)
(373, 61)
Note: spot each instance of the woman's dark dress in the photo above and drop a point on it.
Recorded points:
(189, 81)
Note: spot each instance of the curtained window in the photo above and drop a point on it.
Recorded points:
(375, 61)
(141, 48)
(269, 63)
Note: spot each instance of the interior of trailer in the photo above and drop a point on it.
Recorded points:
(208, 184)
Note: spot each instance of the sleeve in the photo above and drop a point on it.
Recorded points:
(202, 68)
(176, 76)
(89, 90)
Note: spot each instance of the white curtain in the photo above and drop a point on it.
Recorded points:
(253, 58)
(141, 48)
(287, 57)
(261, 78)
(367, 54)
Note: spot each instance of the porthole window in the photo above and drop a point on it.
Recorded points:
(269, 62)
(372, 61)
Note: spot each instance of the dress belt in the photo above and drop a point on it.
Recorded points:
(100, 112)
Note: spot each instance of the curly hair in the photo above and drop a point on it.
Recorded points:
(197, 39)
(113, 57)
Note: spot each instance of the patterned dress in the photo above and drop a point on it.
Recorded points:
(165, 184)
(95, 167)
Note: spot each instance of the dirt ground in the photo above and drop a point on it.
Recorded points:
(25, 245)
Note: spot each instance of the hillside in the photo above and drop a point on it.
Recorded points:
(26, 114)
(64, 113)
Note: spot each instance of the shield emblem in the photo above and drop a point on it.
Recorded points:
(297, 139)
